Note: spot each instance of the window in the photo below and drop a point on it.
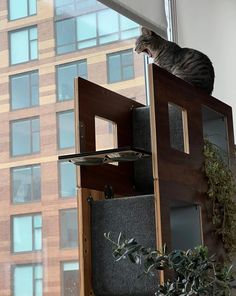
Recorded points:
(178, 127)
(27, 233)
(91, 29)
(67, 179)
(68, 228)
(26, 184)
(24, 90)
(120, 66)
(19, 9)
(66, 130)
(23, 45)
(215, 130)
(65, 78)
(27, 280)
(25, 136)
(63, 7)
(70, 278)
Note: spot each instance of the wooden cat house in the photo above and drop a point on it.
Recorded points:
(152, 176)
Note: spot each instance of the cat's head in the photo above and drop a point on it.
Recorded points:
(145, 43)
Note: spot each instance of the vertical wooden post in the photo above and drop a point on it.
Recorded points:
(155, 165)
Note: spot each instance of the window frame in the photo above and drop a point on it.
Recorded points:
(185, 128)
(97, 38)
(33, 265)
(121, 65)
(28, 28)
(23, 17)
(32, 215)
(62, 273)
(31, 166)
(60, 229)
(58, 129)
(59, 168)
(31, 142)
(29, 74)
(77, 62)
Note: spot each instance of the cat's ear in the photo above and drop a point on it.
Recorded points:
(146, 31)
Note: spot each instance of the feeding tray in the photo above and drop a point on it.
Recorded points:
(106, 156)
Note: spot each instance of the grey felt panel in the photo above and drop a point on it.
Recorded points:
(142, 139)
(134, 217)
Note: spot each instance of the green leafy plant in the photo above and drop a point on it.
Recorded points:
(194, 272)
(221, 192)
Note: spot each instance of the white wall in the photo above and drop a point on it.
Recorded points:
(210, 26)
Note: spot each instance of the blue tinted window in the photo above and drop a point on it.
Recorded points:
(67, 179)
(120, 66)
(23, 45)
(65, 78)
(28, 280)
(26, 184)
(19, 9)
(68, 228)
(66, 132)
(66, 37)
(24, 90)
(25, 138)
(92, 29)
(27, 233)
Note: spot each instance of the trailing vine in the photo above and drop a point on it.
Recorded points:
(221, 192)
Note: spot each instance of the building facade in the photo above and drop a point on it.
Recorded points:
(44, 44)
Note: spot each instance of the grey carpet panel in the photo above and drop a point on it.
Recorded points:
(142, 139)
(134, 217)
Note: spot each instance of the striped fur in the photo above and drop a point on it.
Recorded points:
(186, 63)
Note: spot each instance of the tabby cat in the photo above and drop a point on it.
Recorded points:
(185, 63)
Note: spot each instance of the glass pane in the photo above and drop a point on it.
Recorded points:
(22, 184)
(106, 17)
(67, 179)
(38, 271)
(65, 81)
(36, 183)
(178, 128)
(86, 27)
(20, 91)
(85, 44)
(65, 31)
(71, 266)
(70, 283)
(18, 9)
(38, 288)
(37, 239)
(22, 234)
(108, 38)
(128, 72)
(69, 228)
(33, 34)
(37, 221)
(130, 34)
(21, 143)
(66, 130)
(215, 130)
(114, 68)
(23, 281)
(82, 69)
(33, 50)
(19, 46)
(126, 24)
(34, 89)
(32, 7)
